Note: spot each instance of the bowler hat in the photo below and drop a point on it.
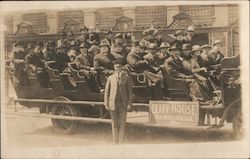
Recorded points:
(118, 43)
(174, 47)
(118, 35)
(217, 42)
(31, 45)
(18, 43)
(178, 32)
(196, 48)
(104, 43)
(84, 28)
(186, 46)
(164, 45)
(83, 45)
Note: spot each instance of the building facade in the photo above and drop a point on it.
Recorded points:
(212, 21)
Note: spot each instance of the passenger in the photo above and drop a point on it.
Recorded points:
(103, 62)
(33, 59)
(39, 50)
(189, 34)
(93, 51)
(118, 38)
(174, 64)
(83, 60)
(140, 65)
(128, 42)
(205, 60)
(191, 65)
(18, 60)
(178, 38)
(119, 51)
(84, 37)
(62, 59)
(70, 38)
(94, 37)
(163, 54)
(85, 65)
(216, 54)
(49, 52)
(108, 38)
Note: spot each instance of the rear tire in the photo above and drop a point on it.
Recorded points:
(65, 126)
(237, 125)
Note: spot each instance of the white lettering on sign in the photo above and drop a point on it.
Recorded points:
(179, 112)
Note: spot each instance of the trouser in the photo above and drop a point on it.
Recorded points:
(118, 117)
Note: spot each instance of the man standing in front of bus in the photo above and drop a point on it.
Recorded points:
(118, 99)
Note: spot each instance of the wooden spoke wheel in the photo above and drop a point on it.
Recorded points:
(237, 125)
(65, 126)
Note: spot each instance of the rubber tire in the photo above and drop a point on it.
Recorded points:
(237, 125)
(73, 125)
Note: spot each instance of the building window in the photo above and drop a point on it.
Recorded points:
(38, 20)
(106, 17)
(233, 17)
(201, 14)
(8, 22)
(64, 16)
(144, 16)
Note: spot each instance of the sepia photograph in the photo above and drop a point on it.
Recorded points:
(124, 79)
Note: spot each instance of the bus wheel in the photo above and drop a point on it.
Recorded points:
(65, 126)
(237, 125)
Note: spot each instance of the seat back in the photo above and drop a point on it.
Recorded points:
(176, 87)
(53, 72)
(69, 84)
(76, 74)
(31, 74)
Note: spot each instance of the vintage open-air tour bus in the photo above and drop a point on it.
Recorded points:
(67, 105)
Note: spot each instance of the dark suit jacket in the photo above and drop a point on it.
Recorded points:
(103, 63)
(62, 61)
(176, 68)
(82, 62)
(137, 62)
(115, 88)
(33, 59)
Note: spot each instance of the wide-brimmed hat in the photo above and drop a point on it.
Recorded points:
(31, 45)
(196, 48)
(205, 46)
(190, 28)
(108, 32)
(93, 48)
(165, 45)
(217, 42)
(178, 32)
(152, 46)
(104, 42)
